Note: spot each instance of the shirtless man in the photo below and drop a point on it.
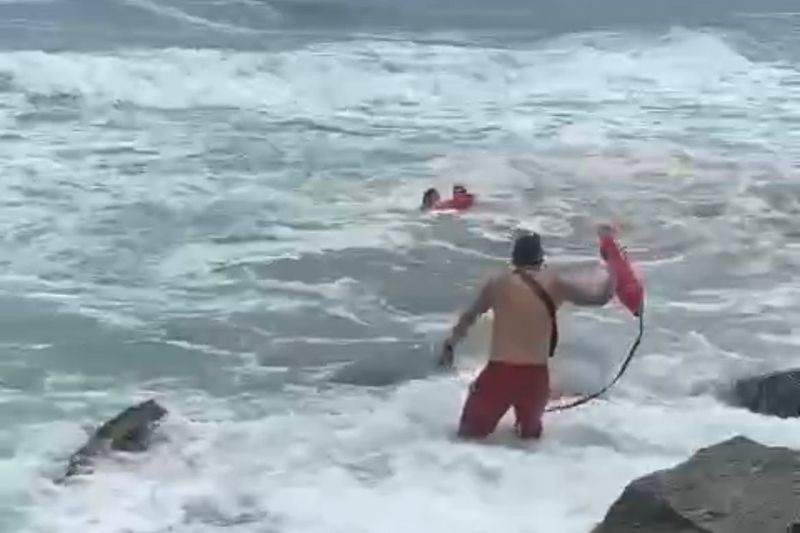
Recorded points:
(523, 339)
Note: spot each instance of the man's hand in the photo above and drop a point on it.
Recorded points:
(606, 230)
(446, 354)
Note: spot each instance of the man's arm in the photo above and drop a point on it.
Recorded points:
(479, 306)
(586, 294)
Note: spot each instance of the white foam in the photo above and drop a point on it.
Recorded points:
(286, 242)
(353, 461)
(365, 83)
(696, 67)
(791, 339)
(177, 14)
(347, 459)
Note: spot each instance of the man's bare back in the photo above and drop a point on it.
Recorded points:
(521, 327)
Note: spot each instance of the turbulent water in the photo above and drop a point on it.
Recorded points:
(215, 204)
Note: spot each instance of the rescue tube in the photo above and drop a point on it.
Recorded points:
(630, 292)
(459, 202)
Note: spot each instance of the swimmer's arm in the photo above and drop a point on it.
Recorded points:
(586, 294)
(479, 306)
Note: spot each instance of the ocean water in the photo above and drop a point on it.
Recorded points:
(214, 204)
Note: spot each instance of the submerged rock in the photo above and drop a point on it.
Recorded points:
(777, 393)
(735, 486)
(129, 431)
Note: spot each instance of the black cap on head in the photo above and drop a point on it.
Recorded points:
(527, 250)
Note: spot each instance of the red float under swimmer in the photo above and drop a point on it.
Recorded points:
(461, 200)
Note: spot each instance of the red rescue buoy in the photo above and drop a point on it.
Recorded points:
(630, 292)
(629, 289)
(459, 202)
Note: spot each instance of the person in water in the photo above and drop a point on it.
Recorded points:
(461, 199)
(430, 198)
(524, 337)
(459, 190)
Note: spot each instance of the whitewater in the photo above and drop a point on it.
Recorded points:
(215, 204)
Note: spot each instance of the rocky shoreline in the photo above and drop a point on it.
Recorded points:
(734, 486)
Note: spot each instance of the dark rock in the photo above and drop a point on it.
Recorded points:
(129, 431)
(776, 394)
(736, 486)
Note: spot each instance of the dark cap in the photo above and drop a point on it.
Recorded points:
(527, 250)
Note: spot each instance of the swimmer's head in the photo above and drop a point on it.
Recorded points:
(429, 198)
(528, 251)
(459, 189)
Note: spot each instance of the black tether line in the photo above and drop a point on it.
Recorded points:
(631, 352)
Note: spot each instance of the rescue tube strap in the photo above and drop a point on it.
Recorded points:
(548, 302)
(631, 352)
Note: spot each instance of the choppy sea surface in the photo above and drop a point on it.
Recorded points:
(214, 204)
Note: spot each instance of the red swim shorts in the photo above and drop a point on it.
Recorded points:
(500, 386)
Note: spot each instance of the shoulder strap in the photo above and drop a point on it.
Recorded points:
(548, 302)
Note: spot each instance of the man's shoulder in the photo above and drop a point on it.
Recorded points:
(498, 276)
(493, 280)
(542, 274)
(546, 276)
(550, 279)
